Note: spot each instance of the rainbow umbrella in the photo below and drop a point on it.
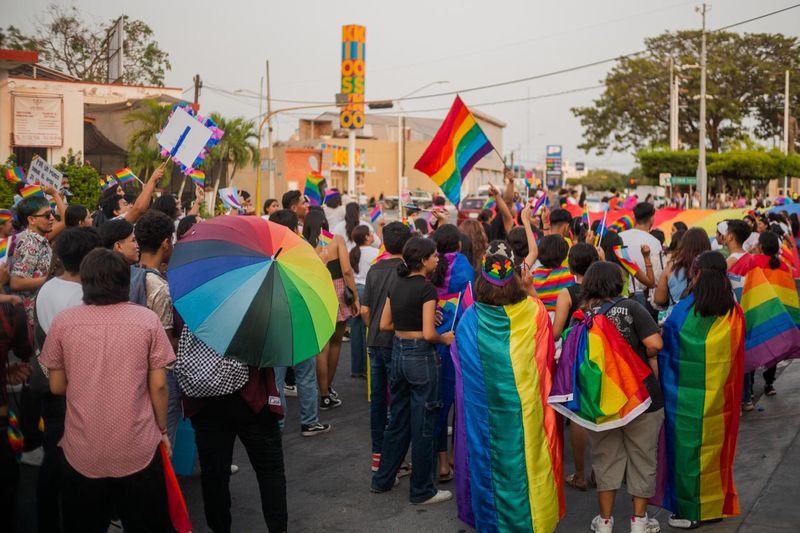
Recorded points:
(253, 290)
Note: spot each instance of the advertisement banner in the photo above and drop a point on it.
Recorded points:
(38, 121)
(354, 50)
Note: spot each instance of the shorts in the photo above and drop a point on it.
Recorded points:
(630, 452)
(344, 310)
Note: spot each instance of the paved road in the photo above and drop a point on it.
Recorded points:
(328, 475)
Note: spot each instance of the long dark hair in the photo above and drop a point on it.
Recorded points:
(415, 252)
(770, 245)
(313, 224)
(448, 240)
(474, 230)
(510, 293)
(607, 243)
(518, 241)
(352, 218)
(602, 281)
(359, 237)
(693, 243)
(713, 294)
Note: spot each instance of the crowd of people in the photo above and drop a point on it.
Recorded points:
(453, 325)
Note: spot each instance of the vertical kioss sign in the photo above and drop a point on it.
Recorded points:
(354, 49)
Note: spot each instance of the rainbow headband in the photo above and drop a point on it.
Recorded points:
(499, 274)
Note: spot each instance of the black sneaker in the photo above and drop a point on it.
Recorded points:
(314, 429)
(333, 394)
(327, 402)
(769, 390)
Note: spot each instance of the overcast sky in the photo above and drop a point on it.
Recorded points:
(412, 43)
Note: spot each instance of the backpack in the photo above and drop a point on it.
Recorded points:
(138, 291)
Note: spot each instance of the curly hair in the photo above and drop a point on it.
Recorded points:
(474, 231)
(152, 229)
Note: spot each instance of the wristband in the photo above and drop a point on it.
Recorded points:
(163, 431)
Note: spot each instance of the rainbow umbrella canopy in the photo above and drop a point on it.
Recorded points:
(253, 290)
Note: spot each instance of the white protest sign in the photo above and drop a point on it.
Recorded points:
(43, 173)
(184, 137)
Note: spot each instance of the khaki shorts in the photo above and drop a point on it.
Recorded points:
(629, 451)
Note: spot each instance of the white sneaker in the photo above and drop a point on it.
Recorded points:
(33, 457)
(602, 525)
(644, 524)
(682, 523)
(290, 390)
(439, 497)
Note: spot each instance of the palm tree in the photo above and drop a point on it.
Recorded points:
(144, 155)
(235, 150)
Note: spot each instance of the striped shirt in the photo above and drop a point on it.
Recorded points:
(548, 282)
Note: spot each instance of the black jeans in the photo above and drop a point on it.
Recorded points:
(48, 486)
(9, 478)
(140, 499)
(216, 427)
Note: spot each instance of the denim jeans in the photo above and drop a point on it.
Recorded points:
(415, 408)
(173, 406)
(747, 393)
(358, 341)
(380, 362)
(305, 374)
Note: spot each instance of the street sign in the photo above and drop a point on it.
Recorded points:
(663, 178)
(580, 166)
(683, 180)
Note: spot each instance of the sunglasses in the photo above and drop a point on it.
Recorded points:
(49, 214)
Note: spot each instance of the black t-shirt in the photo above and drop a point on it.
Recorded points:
(380, 279)
(634, 323)
(407, 296)
(497, 229)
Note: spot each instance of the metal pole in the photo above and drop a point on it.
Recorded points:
(786, 131)
(702, 176)
(270, 149)
(400, 155)
(351, 163)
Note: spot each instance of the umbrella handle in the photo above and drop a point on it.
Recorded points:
(275, 257)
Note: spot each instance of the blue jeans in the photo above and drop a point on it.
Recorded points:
(173, 406)
(358, 341)
(380, 362)
(747, 393)
(415, 408)
(305, 375)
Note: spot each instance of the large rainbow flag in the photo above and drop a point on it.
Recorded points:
(313, 188)
(599, 381)
(771, 311)
(701, 378)
(457, 146)
(548, 282)
(508, 439)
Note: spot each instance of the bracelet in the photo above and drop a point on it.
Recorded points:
(648, 265)
(163, 431)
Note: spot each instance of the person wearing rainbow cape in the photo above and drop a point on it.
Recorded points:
(508, 439)
(701, 374)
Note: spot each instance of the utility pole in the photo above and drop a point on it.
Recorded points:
(270, 148)
(702, 175)
(401, 155)
(786, 150)
(673, 106)
(198, 84)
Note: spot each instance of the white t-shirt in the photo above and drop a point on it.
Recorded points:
(634, 239)
(341, 229)
(334, 216)
(368, 254)
(55, 296)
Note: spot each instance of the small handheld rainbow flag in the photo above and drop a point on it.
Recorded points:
(325, 237)
(490, 203)
(539, 203)
(623, 223)
(107, 182)
(125, 175)
(15, 175)
(198, 177)
(382, 254)
(376, 213)
(585, 214)
(3, 247)
(625, 260)
(313, 190)
(529, 179)
(31, 190)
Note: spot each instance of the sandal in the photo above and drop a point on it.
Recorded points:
(570, 480)
(404, 470)
(447, 477)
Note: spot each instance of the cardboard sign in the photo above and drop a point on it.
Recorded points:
(184, 137)
(43, 173)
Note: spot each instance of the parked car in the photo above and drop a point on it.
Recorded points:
(470, 208)
(421, 198)
(390, 202)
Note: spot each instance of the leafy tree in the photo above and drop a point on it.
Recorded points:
(745, 76)
(740, 164)
(68, 43)
(84, 180)
(600, 179)
(144, 155)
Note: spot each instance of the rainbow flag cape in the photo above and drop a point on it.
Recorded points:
(701, 378)
(198, 177)
(176, 505)
(325, 237)
(15, 175)
(125, 175)
(313, 188)
(789, 256)
(454, 150)
(599, 382)
(375, 214)
(382, 254)
(771, 311)
(625, 260)
(31, 190)
(623, 223)
(508, 450)
(549, 281)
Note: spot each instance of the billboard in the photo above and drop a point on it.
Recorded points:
(354, 48)
(553, 165)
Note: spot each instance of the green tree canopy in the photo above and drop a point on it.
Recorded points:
(68, 43)
(745, 79)
(739, 164)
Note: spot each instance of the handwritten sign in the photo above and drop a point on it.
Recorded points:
(43, 173)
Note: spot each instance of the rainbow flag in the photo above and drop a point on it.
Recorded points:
(15, 175)
(508, 449)
(448, 303)
(124, 175)
(15, 438)
(789, 255)
(31, 190)
(3, 247)
(599, 382)
(457, 146)
(382, 254)
(313, 189)
(490, 203)
(325, 237)
(5, 215)
(529, 179)
(701, 378)
(549, 281)
(107, 182)
(543, 200)
(771, 310)
(623, 223)
(376, 213)
(585, 214)
(198, 177)
(625, 260)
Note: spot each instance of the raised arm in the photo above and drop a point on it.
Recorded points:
(142, 202)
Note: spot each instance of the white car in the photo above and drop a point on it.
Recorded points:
(421, 198)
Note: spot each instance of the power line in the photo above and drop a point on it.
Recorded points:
(765, 15)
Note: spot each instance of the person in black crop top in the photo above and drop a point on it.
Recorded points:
(410, 311)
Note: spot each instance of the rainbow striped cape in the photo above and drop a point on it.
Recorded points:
(313, 188)
(508, 439)
(599, 382)
(701, 377)
(771, 311)
(549, 281)
(625, 260)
